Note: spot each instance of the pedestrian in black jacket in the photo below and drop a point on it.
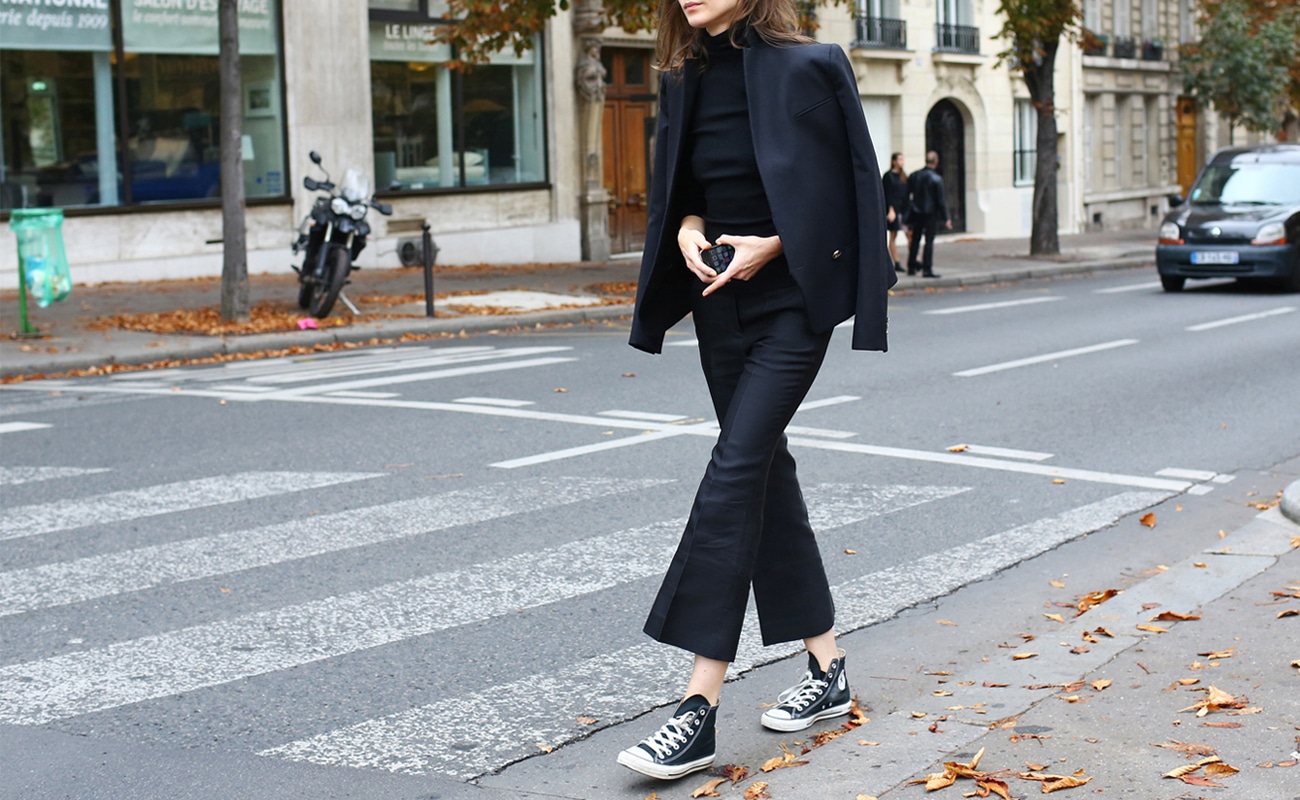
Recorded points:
(898, 201)
(761, 146)
(929, 211)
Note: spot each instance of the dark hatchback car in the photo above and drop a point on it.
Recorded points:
(1241, 220)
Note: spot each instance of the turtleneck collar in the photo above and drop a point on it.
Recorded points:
(719, 45)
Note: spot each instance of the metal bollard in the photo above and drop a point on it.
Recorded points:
(426, 243)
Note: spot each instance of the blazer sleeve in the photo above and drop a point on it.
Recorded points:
(875, 268)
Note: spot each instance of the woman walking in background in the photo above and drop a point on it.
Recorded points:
(766, 222)
(898, 199)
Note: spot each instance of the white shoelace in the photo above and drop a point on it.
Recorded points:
(672, 735)
(803, 693)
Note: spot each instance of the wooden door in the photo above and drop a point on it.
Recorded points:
(1188, 164)
(628, 133)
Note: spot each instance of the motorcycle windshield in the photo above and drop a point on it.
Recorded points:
(355, 187)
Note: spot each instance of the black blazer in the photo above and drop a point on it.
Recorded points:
(819, 171)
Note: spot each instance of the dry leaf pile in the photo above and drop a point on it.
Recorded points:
(995, 783)
(265, 317)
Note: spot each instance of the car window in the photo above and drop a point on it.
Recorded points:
(1254, 184)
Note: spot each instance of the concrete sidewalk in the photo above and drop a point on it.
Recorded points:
(74, 342)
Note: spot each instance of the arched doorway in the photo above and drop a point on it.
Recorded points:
(945, 133)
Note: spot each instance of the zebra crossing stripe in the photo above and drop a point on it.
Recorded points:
(11, 476)
(167, 498)
(206, 655)
(15, 427)
(65, 582)
(544, 709)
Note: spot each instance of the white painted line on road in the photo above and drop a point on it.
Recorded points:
(809, 405)
(1024, 362)
(494, 401)
(392, 380)
(1200, 489)
(11, 476)
(588, 449)
(1223, 478)
(99, 576)
(1028, 301)
(61, 515)
(825, 433)
(212, 654)
(510, 721)
(1187, 474)
(961, 460)
(683, 343)
(225, 387)
(353, 368)
(649, 416)
(365, 395)
(1004, 452)
(15, 427)
(1132, 287)
(1205, 326)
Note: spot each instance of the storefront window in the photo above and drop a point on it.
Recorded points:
(61, 139)
(435, 127)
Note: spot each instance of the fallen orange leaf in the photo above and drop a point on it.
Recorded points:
(756, 791)
(1022, 656)
(1152, 629)
(709, 789)
(1148, 519)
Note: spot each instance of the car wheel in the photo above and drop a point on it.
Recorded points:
(1172, 283)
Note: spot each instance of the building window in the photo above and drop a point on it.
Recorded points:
(438, 128)
(1026, 143)
(63, 144)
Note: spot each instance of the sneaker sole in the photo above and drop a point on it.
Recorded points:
(788, 725)
(664, 773)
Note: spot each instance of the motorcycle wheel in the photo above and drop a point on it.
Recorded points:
(337, 265)
(304, 294)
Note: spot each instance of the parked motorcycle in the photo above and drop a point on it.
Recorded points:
(331, 237)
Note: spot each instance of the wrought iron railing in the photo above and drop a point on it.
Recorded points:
(1153, 50)
(1124, 47)
(881, 32)
(956, 38)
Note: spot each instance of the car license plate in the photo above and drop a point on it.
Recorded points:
(1215, 257)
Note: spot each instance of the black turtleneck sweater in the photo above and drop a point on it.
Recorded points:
(722, 183)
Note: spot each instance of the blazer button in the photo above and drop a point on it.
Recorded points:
(835, 255)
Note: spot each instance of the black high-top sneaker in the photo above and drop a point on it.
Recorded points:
(685, 743)
(820, 695)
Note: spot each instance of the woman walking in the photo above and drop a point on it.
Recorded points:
(898, 200)
(762, 154)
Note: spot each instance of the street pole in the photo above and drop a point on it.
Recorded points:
(234, 265)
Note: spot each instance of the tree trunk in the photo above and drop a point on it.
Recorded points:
(234, 266)
(1040, 78)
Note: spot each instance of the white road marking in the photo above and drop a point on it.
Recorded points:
(683, 343)
(15, 427)
(1024, 362)
(166, 498)
(37, 692)
(1186, 474)
(439, 359)
(1223, 478)
(649, 416)
(826, 433)
(509, 722)
(988, 306)
(809, 405)
(365, 395)
(1200, 489)
(132, 570)
(411, 377)
(598, 447)
(494, 401)
(224, 387)
(1117, 479)
(1004, 452)
(1205, 326)
(10, 476)
(244, 370)
(1132, 287)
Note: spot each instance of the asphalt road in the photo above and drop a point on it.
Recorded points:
(414, 572)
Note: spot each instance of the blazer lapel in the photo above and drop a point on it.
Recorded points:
(679, 112)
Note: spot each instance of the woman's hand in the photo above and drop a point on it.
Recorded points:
(890, 215)
(752, 253)
(691, 240)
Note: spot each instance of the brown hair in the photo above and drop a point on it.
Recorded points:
(775, 21)
(893, 159)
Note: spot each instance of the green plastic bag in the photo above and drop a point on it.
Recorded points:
(42, 262)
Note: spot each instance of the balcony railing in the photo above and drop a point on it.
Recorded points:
(956, 38)
(1153, 50)
(881, 32)
(1124, 47)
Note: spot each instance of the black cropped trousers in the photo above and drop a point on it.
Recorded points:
(749, 525)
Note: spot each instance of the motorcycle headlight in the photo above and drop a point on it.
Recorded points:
(357, 211)
(1169, 233)
(339, 206)
(1272, 233)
